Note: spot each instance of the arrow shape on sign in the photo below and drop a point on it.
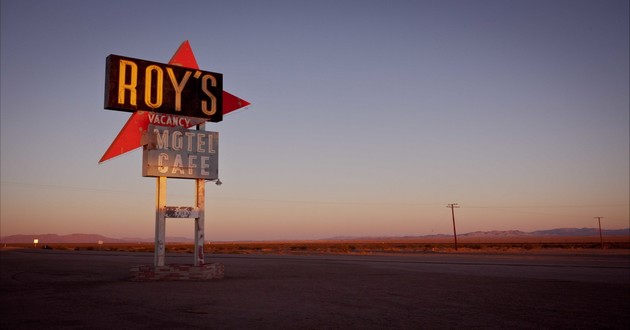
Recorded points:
(130, 136)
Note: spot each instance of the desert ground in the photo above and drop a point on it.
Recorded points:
(527, 289)
(385, 245)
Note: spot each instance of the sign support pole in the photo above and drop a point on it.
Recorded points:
(198, 212)
(200, 203)
(160, 221)
(199, 223)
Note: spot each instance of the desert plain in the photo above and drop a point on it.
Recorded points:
(485, 287)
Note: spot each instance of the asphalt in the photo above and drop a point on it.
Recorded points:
(92, 290)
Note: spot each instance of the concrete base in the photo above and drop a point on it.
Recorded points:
(178, 272)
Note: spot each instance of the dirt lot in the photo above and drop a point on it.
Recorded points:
(91, 289)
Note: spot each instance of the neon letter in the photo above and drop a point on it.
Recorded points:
(178, 87)
(161, 158)
(177, 164)
(162, 139)
(191, 163)
(122, 84)
(213, 99)
(189, 135)
(211, 144)
(200, 142)
(148, 87)
(177, 140)
(204, 165)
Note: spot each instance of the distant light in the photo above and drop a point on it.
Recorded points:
(35, 241)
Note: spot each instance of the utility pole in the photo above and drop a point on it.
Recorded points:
(599, 221)
(453, 206)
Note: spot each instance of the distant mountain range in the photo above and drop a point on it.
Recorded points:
(558, 232)
(84, 238)
(93, 238)
(552, 232)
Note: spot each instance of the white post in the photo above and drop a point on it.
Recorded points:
(160, 222)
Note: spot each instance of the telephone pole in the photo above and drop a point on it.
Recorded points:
(453, 206)
(599, 221)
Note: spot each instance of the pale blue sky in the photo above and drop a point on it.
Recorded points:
(367, 117)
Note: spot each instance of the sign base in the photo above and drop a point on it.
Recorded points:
(175, 272)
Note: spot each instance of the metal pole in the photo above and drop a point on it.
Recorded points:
(160, 222)
(200, 201)
(199, 223)
(601, 239)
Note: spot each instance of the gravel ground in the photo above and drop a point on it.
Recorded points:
(91, 289)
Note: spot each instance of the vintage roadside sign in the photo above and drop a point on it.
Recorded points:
(130, 135)
(133, 84)
(175, 152)
(165, 100)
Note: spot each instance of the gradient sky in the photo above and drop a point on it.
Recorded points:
(367, 117)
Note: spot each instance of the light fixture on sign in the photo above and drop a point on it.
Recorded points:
(216, 181)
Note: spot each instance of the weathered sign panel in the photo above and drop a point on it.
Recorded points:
(175, 152)
(181, 212)
(133, 84)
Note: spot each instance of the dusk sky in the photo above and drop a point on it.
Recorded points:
(367, 117)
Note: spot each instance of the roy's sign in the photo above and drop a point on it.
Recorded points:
(176, 152)
(132, 84)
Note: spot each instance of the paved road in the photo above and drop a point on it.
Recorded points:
(90, 289)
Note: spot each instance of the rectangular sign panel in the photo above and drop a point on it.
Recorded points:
(133, 84)
(175, 152)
